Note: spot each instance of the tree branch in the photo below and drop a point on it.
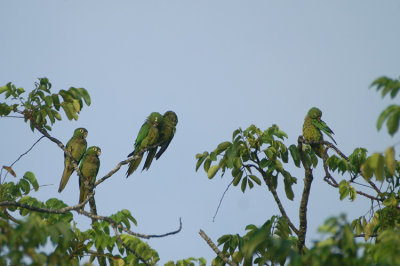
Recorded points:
(275, 195)
(304, 198)
(215, 248)
(118, 166)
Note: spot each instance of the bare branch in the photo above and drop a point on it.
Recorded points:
(215, 248)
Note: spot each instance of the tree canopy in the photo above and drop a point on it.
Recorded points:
(253, 156)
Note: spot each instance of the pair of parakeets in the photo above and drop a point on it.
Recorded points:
(312, 127)
(89, 161)
(156, 129)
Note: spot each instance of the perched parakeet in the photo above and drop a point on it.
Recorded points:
(77, 147)
(89, 167)
(148, 135)
(312, 127)
(167, 132)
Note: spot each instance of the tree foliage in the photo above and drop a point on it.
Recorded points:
(255, 154)
(40, 224)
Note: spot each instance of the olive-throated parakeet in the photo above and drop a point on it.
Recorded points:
(312, 127)
(77, 147)
(167, 132)
(89, 168)
(148, 136)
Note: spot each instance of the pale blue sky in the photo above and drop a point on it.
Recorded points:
(219, 65)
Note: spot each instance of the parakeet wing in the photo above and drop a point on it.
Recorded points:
(144, 130)
(324, 128)
(77, 147)
(164, 146)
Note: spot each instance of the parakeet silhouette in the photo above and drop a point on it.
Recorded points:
(89, 168)
(312, 127)
(167, 132)
(148, 136)
(77, 147)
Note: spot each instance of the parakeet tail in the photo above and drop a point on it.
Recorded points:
(133, 165)
(65, 177)
(82, 194)
(149, 159)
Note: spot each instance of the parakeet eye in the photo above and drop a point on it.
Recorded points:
(94, 149)
(81, 130)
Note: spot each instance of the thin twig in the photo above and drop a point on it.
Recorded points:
(220, 201)
(215, 248)
(23, 155)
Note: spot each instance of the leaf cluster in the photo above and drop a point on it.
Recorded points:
(391, 114)
(41, 107)
(252, 150)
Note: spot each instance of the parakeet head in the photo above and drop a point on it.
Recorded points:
(171, 117)
(80, 132)
(155, 119)
(314, 113)
(94, 150)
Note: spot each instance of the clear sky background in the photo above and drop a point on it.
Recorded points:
(219, 65)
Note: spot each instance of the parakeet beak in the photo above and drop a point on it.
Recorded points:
(98, 152)
(85, 135)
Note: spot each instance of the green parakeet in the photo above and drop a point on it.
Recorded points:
(312, 127)
(77, 147)
(167, 132)
(89, 167)
(148, 136)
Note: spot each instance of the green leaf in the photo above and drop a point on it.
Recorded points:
(236, 180)
(76, 105)
(343, 189)
(393, 122)
(376, 162)
(251, 184)
(32, 179)
(56, 115)
(199, 162)
(390, 161)
(244, 184)
(48, 100)
(4, 88)
(222, 147)
(56, 101)
(212, 171)
(4, 109)
(128, 214)
(207, 164)
(255, 179)
(383, 116)
(294, 152)
(24, 186)
(85, 95)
